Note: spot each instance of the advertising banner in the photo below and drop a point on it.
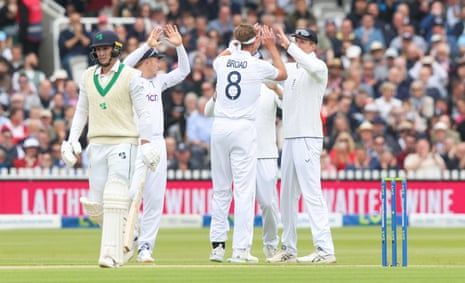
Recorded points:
(61, 197)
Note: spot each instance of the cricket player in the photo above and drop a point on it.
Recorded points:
(234, 138)
(146, 59)
(303, 143)
(109, 93)
(267, 162)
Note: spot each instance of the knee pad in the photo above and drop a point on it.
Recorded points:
(93, 209)
(115, 210)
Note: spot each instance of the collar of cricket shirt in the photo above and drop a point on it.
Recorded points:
(104, 90)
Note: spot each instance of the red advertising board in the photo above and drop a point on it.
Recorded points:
(193, 197)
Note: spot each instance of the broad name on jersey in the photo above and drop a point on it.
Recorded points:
(236, 64)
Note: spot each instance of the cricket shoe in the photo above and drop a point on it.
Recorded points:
(242, 256)
(108, 262)
(145, 254)
(217, 254)
(282, 256)
(318, 257)
(269, 251)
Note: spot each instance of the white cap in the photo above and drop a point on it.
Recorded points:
(440, 126)
(371, 107)
(353, 51)
(391, 52)
(31, 142)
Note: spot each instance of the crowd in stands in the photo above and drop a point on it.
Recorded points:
(395, 96)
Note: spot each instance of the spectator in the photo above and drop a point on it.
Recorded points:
(175, 114)
(171, 152)
(3, 160)
(343, 151)
(301, 11)
(362, 160)
(30, 32)
(183, 158)
(31, 154)
(5, 50)
(223, 23)
(326, 166)
(46, 94)
(31, 70)
(73, 42)
(367, 33)
(71, 92)
(424, 162)
(58, 106)
(198, 132)
(16, 125)
(58, 80)
(5, 77)
(387, 101)
(387, 161)
(11, 150)
(358, 9)
(17, 58)
(28, 91)
(55, 151)
(45, 161)
(455, 158)
(406, 36)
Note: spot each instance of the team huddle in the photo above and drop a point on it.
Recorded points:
(121, 103)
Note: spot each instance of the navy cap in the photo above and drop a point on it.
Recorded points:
(105, 38)
(151, 53)
(182, 147)
(378, 120)
(306, 34)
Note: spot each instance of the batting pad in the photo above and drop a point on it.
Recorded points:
(115, 210)
(93, 209)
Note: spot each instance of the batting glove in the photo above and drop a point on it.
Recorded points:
(150, 155)
(69, 149)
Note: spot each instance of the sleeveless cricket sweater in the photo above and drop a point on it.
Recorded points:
(110, 107)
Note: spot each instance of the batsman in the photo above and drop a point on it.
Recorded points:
(109, 94)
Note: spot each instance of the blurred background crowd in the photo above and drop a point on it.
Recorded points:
(395, 96)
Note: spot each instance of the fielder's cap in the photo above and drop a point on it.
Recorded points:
(436, 38)
(2, 35)
(353, 51)
(59, 74)
(306, 34)
(31, 142)
(376, 45)
(407, 35)
(151, 53)
(182, 147)
(391, 53)
(440, 126)
(365, 126)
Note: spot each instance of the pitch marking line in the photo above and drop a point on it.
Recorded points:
(226, 265)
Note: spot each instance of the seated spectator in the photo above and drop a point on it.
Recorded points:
(183, 158)
(325, 163)
(198, 132)
(55, 151)
(31, 70)
(343, 151)
(45, 161)
(387, 101)
(362, 160)
(31, 154)
(171, 152)
(16, 125)
(455, 159)
(11, 150)
(3, 160)
(424, 162)
(387, 161)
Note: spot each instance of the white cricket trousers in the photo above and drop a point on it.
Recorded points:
(107, 161)
(153, 195)
(267, 197)
(300, 174)
(233, 160)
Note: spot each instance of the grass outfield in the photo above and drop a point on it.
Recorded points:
(435, 255)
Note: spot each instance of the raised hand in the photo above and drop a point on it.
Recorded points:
(153, 40)
(267, 37)
(172, 35)
(284, 41)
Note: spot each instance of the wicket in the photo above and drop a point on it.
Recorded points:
(384, 225)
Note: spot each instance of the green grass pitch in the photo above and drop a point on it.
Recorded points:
(70, 255)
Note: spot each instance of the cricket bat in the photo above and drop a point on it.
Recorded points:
(133, 214)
